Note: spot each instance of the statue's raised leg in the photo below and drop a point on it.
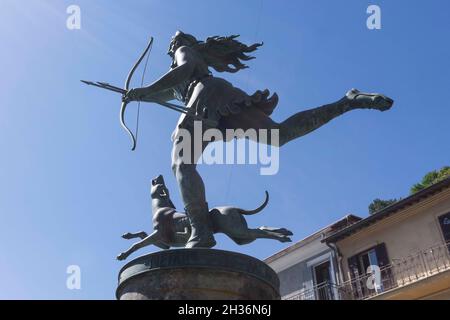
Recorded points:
(307, 121)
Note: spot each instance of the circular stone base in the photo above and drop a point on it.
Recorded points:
(197, 274)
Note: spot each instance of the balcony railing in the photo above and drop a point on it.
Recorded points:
(323, 291)
(399, 273)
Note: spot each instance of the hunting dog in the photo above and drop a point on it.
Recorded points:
(172, 228)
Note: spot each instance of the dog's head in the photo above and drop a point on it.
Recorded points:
(160, 192)
(159, 189)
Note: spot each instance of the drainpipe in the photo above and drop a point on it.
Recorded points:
(338, 256)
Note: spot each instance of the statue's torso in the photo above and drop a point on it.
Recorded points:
(214, 98)
(184, 89)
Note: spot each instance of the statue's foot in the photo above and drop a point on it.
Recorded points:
(201, 242)
(358, 99)
(202, 235)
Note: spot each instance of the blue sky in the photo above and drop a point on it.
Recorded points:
(70, 186)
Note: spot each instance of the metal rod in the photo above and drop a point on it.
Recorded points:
(90, 83)
(107, 85)
(172, 106)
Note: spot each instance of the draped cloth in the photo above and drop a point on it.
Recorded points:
(217, 99)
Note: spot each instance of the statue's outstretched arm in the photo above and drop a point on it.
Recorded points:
(165, 96)
(185, 62)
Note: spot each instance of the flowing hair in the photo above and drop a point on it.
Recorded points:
(224, 54)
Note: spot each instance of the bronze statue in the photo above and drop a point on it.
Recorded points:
(172, 228)
(190, 81)
(218, 104)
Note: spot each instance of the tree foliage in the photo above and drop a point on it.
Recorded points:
(428, 180)
(431, 178)
(379, 204)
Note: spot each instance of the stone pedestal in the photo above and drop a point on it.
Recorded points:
(197, 274)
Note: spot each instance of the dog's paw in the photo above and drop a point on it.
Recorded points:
(286, 232)
(127, 236)
(121, 256)
(285, 239)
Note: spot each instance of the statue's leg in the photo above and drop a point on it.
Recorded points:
(264, 234)
(307, 121)
(192, 191)
(150, 239)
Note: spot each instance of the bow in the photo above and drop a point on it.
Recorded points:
(104, 85)
(126, 88)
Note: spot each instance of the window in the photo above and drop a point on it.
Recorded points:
(444, 222)
(323, 281)
(359, 264)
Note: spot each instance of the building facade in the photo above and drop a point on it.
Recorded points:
(400, 252)
(308, 268)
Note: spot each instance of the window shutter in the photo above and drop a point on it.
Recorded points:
(387, 277)
(382, 256)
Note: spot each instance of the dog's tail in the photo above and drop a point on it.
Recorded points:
(261, 207)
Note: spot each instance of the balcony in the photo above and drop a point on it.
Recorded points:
(427, 264)
(402, 274)
(323, 291)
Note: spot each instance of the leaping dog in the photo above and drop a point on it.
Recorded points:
(172, 228)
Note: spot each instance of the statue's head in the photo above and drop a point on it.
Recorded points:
(181, 39)
(224, 54)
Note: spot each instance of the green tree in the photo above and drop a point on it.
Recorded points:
(379, 204)
(431, 178)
